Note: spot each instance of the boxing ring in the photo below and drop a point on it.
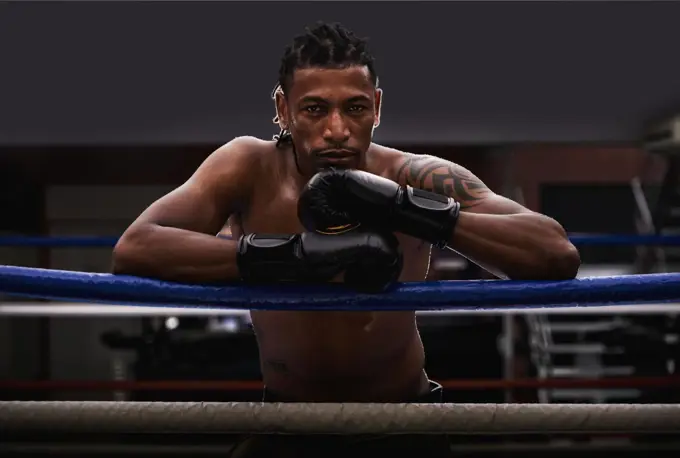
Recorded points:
(30, 418)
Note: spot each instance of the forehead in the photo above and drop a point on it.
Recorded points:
(331, 83)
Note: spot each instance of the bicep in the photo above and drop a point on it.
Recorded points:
(187, 207)
(444, 177)
(205, 201)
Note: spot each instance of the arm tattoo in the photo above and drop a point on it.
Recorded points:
(441, 176)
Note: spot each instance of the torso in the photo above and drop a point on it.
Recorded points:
(333, 356)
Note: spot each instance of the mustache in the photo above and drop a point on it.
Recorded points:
(339, 151)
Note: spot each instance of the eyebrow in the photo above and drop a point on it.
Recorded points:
(315, 99)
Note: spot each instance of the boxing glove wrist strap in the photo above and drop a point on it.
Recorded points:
(426, 215)
(269, 258)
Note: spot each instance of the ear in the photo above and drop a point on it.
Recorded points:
(281, 109)
(378, 106)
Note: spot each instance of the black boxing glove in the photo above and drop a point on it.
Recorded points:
(334, 200)
(372, 262)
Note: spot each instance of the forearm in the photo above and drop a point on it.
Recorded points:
(500, 235)
(527, 245)
(172, 254)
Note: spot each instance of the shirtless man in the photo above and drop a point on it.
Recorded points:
(328, 105)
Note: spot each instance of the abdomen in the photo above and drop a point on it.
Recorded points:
(317, 344)
(345, 355)
(336, 353)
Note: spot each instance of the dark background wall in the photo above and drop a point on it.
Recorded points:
(453, 72)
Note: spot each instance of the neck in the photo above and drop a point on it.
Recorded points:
(295, 168)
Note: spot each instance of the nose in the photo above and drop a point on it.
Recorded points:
(336, 131)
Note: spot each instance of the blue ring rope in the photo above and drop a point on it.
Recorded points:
(462, 295)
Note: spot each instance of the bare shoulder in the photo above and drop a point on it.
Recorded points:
(385, 161)
(243, 150)
(404, 167)
(234, 161)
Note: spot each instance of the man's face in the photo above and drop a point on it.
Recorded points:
(331, 114)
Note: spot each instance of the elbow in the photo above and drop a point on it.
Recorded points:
(562, 257)
(128, 254)
(563, 261)
(554, 261)
(553, 257)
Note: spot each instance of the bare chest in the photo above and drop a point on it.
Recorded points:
(273, 212)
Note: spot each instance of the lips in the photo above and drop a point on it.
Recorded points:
(337, 154)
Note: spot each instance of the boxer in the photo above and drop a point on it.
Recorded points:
(322, 202)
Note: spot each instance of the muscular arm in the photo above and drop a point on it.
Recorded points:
(495, 232)
(175, 238)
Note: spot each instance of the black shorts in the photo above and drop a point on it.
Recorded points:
(352, 446)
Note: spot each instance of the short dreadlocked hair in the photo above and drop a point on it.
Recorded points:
(324, 46)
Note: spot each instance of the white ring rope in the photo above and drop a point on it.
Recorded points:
(76, 309)
(334, 418)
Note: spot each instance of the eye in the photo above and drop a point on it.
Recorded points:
(356, 109)
(314, 109)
